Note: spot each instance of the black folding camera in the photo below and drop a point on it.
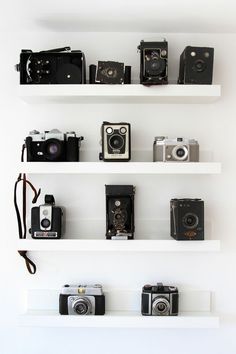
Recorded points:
(153, 63)
(116, 142)
(120, 212)
(52, 146)
(55, 66)
(46, 220)
(160, 300)
(187, 219)
(82, 300)
(196, 66)
(109, 72)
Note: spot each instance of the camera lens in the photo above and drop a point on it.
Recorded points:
(154, 65)
(180, 153)
(52, 149)
(190, 220)
(45, 223)
(116, 142)
(160, 306)
(82, 306)
(199, 65)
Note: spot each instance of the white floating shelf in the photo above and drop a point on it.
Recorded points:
(119, 93)
(51, 318)
(120, 167)
(119, 245)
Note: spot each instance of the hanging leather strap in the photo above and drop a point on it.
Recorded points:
(22, 229)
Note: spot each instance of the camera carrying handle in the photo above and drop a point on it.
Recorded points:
(57, 50)
(22, 221)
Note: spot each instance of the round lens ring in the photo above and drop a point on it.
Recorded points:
(109, 130)
(199, 65)
(116, 142)
(52, 149)
(82, 306)
(45, 223)
(160, 306)
(123, 130)
(190, 221)
(180, 152)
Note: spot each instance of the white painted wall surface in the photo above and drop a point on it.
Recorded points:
(83, 197)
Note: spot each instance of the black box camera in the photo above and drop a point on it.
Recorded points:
(52, 146)
(120, 212)
(160, 300)
(196, 66)
(82, 300)
(116, 142)
(153, 63)
(187, 219)
(109, 72)
(46, 220)
(56, 66)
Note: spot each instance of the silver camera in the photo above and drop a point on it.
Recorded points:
(82, 300)
(175, 150)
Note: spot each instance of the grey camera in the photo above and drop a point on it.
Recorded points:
(175, 150)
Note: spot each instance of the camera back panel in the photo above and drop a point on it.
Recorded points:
(196, 65)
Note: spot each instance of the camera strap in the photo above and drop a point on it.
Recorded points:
(22, 227)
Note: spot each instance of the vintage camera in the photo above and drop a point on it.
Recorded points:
(55, 66)
(82, 300)
(109, 72)
(175, 150)
(116, 142)
(187, 219)
(160, 300)
(120, 212)
(46, 220)
(196, 66)
(52, 145)
(153, 63)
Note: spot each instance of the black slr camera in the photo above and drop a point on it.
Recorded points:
(116, 142)
(55, 66)
(120, 212)
(82, 300)
(52, 145)
(153, 63)
(196, 66)
(187, 219)
(46, 220)
(109, 72)
(160, 300)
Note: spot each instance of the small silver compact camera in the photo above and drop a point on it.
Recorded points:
(175, 150)
(82, 300)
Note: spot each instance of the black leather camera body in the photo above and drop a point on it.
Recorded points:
(120, 212)
(109, 72)
(52, 145)
(116, 142)
(46, 220)
(153, 63)
(56, 66)
(187, 219)
(196, 66)
(159, 300)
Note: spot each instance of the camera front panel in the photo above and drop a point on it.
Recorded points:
(116, 142)
(187, 220)
(45, 225)
(52, 68)
(153, 63)
(196, 65)
(110, 72)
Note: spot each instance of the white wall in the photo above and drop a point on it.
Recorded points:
(83, 196)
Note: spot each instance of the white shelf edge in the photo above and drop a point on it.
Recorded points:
(119, 245)
(119, 93)
(119, 168)
(51, 318)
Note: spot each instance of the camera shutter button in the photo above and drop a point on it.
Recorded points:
(147, 287)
